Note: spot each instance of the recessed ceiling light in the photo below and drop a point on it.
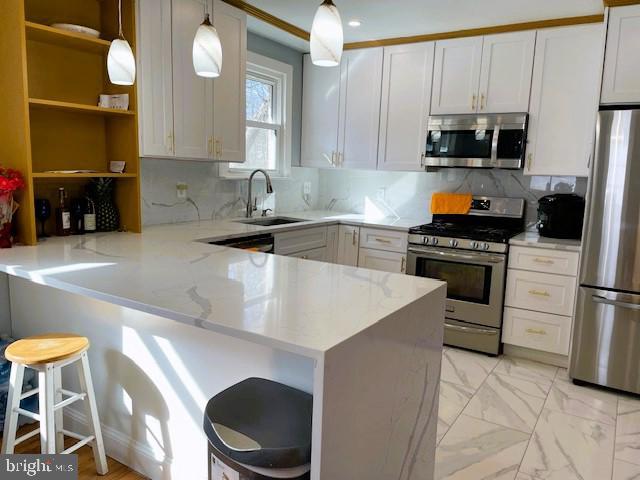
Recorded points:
(355, 23)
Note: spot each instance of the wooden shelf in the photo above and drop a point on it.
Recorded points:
(65, 38)
(77, 107)
(84, 175)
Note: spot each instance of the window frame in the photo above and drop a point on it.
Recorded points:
(280, 75)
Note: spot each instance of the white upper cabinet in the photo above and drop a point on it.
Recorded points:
(229, 105)
(155, 82)
(320, 100)
(456, 76)
(621, 81)
(564, 100)
(406, 97)
(505, 76)
(192, 95)
(183, 115)
(359, 118)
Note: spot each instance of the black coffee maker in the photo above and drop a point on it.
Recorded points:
(561, 216)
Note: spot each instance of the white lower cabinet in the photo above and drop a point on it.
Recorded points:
(542, 292)
(332, 243)
(536, 330)
(348, 245)
(380, 260)
(296, 241)
(318, 254)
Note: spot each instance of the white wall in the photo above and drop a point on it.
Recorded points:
(5, 311)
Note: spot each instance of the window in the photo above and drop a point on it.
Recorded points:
(268, 134)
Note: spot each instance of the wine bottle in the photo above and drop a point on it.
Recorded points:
(63, 216)
(90, 217)
(77, 217)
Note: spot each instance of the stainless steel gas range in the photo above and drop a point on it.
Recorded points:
(469, 252)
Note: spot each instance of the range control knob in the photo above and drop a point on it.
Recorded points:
(425, 240)
(434, 241)
(485, 246)
(453, 243)
(473, 244)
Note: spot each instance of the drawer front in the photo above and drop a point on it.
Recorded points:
(318, 254)
(538, 331)
(541, 292)
(544, 260)
(388, 240)
(300, 240)
(381, 260)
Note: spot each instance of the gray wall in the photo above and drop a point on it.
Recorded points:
(5, 311)
(282, 53)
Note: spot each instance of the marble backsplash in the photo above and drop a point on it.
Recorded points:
(408, 194)
(377, 193)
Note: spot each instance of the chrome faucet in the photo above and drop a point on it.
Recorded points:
(251, 206)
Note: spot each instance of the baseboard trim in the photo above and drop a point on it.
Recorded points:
(123, 448)
(537, 356)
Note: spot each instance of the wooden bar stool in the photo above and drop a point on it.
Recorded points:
(47, 354)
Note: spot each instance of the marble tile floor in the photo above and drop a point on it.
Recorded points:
(511, 419)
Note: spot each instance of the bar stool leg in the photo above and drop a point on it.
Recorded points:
(86, 385)
(59, 414)
(47, 418)
(13, 402)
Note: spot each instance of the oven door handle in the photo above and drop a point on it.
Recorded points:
(479, 331)
(486, 258)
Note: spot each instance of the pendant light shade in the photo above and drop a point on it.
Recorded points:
(207, 50)
(327, 38)
(121, 64)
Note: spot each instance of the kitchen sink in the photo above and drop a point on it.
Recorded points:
(270, 221)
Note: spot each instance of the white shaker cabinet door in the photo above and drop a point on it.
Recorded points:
(406, 100)
(359, 119)
(456, 74)
(229, 105)
(348, 245)
(621, 81)
(155, 89)
(192, 95)
(564, 100)
(320, 100)
(380, 260)
(505, 77)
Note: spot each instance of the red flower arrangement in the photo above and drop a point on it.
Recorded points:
(10, 180)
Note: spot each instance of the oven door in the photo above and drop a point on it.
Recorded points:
(475, 281)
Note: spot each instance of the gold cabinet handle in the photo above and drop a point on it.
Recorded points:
(536, 331)
(219, 149)
(539, 293)
(482, 101)
(382, 240)
(353, 237)
(474, 98)
(340, 159)
(544, 261)
(170, 142)
(209, 146)
(403, 264)
(529, 161)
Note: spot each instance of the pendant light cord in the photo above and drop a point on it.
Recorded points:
(120, 19)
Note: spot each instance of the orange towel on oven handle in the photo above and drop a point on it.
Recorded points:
(451, 203)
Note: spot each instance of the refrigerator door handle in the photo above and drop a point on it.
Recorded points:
(615, 303)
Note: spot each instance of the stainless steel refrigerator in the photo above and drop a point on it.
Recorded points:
(606, 337)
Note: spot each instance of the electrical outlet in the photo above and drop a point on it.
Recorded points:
(381, 194)
(181, 190)
(306, 188)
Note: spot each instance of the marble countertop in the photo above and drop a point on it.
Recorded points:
(533, 239)
(297, 305)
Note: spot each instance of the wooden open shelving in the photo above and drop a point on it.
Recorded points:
(77, 107)
(65, 38)
(49, 118)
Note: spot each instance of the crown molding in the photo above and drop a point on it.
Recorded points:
(511, 27)
(620, 3)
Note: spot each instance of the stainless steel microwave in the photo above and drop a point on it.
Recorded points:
(476, 141)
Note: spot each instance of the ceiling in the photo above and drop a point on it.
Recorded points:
(400, 18)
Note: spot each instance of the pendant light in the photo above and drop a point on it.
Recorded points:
(326, 36)
(121, 63)
(207, 50)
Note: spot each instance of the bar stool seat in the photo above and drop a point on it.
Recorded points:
(48, 348)
(48, 354)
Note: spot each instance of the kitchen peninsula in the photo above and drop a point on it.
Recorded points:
(174, 320)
